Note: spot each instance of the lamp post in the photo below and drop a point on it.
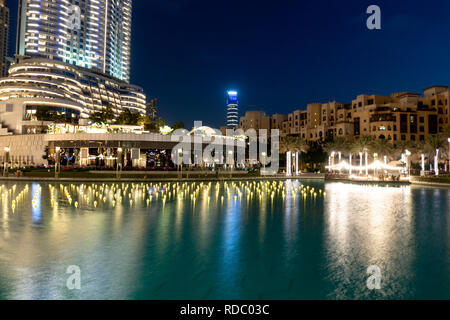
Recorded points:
(180, 162)
(375, 156)
(119, 162)
(436, 162)
(360, 162)
(264, 159)
(231, 159)
(423, 164)
(6, 160)
(57, 150)
(339, 161)
(448, 154)
(408, 165)
(367, 163)
(350, 171)
(333, 154)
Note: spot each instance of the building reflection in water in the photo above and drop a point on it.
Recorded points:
(368, 225)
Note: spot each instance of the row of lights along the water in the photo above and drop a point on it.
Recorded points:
(110, 195)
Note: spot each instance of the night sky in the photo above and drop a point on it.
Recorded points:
(281, 55)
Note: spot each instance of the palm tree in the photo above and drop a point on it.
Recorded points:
(339, 144)
(293, 144)
(401, 146)
(383, 148)
(434, 143)
(363, 144)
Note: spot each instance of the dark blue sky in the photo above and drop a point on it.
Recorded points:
(281, 54)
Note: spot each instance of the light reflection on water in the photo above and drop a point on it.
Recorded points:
(242, 240)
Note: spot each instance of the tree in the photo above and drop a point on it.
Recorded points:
(363, 144)
(383, 148)
(433, 143)
(154, 126)
(43, 114)
(339, 144)
(58, 117)
(315, 156)
(101, 117)
(129, 118)
(293, 144)
(144, 121)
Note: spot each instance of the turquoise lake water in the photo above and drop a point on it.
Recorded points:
(235, 240)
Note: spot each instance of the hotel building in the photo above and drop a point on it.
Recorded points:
(93, 34)
(73, 59)
(257, 120)
(399, 117)
(60, 87)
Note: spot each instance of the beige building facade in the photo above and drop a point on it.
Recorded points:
(403, 116)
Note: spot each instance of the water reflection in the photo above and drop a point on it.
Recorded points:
(249, 240)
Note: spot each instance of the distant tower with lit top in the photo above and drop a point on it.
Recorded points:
(232, 110)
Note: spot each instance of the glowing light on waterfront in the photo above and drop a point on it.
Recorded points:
(376, 165)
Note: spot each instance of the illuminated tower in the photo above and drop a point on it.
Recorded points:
(94, 34)
(232, 110)
(4, 38)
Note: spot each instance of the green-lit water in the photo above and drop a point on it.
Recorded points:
(246, 245)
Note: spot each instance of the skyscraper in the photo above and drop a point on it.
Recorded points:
(152, 109)
(4, 38)
(94, 34)
(232, 110)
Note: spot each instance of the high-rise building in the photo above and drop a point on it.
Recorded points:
(94, 34)
(36, 84)
(151, 109)
(232, 109)
(4, 38)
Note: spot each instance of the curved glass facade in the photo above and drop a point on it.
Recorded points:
(93, 34)
(54, 83)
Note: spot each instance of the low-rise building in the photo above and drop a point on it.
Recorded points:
(401, 116)
(257, 120)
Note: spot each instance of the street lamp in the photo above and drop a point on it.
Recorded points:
(58, 150)
(339, 161)
(350, 170)
(423, 164)
(436, 163)
(119, 162)
(408, 165)
(180, 162)
(6, 160)
(264, 159)
(231, 153)
(360, 163)
(448, 154)
(333, 154)
(375, 156)
(367, 163)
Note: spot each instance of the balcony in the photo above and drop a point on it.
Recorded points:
(383, 118)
